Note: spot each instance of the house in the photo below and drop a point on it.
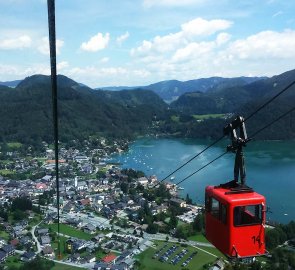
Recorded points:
(143, 181)
(89, 228)
(77, 223)
(90, 258)
(28, 256)
(2, 242)
(8, 249)
(48, 251)
(14, 242)
(178, 202)
(100, 266)
(69, 208)
(81, 186)
(218, 265)
(42, 231)
(81, 159)
(41, 186)
(47, 178)
(45, 240)
(109, 259)
(85, 202)
(3, 256)
(25, 240)
(75, 257)
(75, 245)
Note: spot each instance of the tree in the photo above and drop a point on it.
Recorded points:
(199, 224)
(22, 204)
(19, 215)
(188, 199)
(173, 221)
(124, 187)
(152, 228)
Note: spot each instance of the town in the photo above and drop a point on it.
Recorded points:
(109, 216)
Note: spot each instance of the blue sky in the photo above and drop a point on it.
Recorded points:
(138, 42)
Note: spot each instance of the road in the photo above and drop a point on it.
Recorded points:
(35, 238)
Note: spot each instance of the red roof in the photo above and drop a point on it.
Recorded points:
(41, 186)
(109, 258)
(14, 242)
(85, 201)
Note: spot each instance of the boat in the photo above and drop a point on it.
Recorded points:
(180, 188)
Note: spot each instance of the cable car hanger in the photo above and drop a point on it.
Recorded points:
(237, 130)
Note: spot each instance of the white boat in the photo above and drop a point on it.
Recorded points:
(180, 188)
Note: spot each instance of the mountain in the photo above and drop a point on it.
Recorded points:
(26, 113)
(231, 99)
(11, 83)
(171, 90)
(241, 100)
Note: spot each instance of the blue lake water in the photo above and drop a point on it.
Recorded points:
(270, 168)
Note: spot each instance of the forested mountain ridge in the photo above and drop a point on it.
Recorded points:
(170, 90)
(239, 101)
(229, 100)
(26, 113)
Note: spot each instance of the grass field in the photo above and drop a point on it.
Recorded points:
(13, 261)
(62, 246)
(6, 172)
(14, 145)
(207, 116)
(147, 262)
(175, 118)
(70, 231)
(198, 238)
(4, 235)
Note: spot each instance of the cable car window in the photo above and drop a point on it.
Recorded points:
(248, 215)
(207, 203)
(223, 214)
(214, 208)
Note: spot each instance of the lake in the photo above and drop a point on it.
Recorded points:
(270, 168)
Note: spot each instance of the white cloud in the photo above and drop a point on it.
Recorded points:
(217, 55)
(96, 77)
(201, 27)
(279, 13)
(264, 45)
(104, 60)
(170, 3)
(122, 38)
(13, 72)
(96, 43)
(222, 38)
(43, 46)
(62, 65)
(21, 42)
(190, 31)
(193, 50)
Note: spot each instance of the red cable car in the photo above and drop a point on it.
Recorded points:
(235, 214)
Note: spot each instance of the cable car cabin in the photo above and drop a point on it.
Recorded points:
(235, 221)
